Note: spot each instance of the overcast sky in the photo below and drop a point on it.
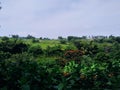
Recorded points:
(53, 18)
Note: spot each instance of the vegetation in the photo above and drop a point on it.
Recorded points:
(73, 63)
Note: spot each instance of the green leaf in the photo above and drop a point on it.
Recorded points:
(109, 83)
(60, 86)
(25, 87)
(4, 88)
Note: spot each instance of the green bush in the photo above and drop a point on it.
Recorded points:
(63, 41)
(35, 50)
(54, 51)
(19, 48)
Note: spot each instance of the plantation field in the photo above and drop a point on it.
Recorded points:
(72, 63)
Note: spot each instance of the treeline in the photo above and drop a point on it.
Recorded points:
(16, 44)
(69, 38)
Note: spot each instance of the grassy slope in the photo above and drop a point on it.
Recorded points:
(45, 43)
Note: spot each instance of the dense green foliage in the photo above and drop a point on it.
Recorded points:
(75, 63)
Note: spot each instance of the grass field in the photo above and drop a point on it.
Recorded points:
(45, 43)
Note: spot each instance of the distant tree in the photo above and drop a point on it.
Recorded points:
(69, 38)
(15, 36)
(40, 38)
(75, 38)
(84, 37)
(60, 37)
(46, 38)
(30, 37)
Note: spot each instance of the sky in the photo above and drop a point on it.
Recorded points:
(53, 18)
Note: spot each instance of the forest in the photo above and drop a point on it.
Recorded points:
(72, 63)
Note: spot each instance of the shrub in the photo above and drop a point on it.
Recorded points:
(4, 55)
(103, 57)
(36, 50)
(74, 54)
(54, 51)
(63, 41)
(19, 48)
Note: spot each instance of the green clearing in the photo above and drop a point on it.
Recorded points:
(45, 43)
